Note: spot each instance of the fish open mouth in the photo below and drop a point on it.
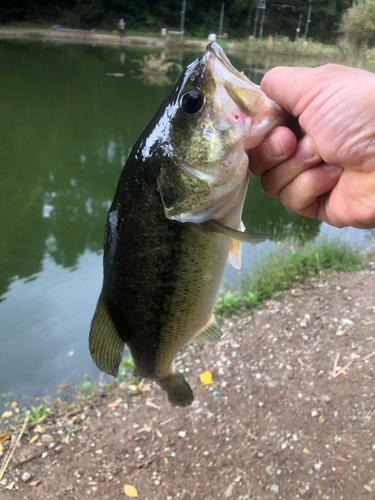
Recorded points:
(251, 107)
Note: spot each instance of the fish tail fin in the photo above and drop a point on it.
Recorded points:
(106, 345)
(178, 390)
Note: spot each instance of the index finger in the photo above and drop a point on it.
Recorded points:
(276, 148)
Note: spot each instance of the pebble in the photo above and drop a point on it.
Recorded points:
(314, 413)
(44, 454)
(182, 434)
(270, 470)
(275, 488)
(3, 482)
(47, 438)
(26, 476)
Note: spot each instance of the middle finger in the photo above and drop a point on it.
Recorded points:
(275, 180)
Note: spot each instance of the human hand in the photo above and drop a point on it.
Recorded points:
(329, 173)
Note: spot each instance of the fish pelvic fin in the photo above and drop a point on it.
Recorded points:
(106, 345)
(235, 251)
(178, 390)
(210, 332)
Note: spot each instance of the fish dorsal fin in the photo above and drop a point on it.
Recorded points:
(217, 227)
(106, 345)
(235, 251)
(210, 332)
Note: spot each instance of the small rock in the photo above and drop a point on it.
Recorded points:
(270, 470)
(10, 485)
(47, 438)
(83, 416)
(44, 454)
(314, 413)
(3, 482)
(228, 492)
(156, 483)
(275, 488)
(182, 434)
(26, 476)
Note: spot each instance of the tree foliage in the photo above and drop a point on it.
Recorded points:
(358, 23)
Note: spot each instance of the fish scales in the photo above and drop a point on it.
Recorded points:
(176, 210)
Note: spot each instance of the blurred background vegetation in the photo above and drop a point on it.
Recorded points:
(328, 18)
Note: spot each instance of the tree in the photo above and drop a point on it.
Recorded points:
(358, 23)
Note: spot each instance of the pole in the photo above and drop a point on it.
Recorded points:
(308, 21)
(262, 20)
(221, 19)
(182, 20)
(298, 27)
(256, 22)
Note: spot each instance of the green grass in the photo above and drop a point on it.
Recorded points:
(36, 413)
(287, 47)
(287, 266)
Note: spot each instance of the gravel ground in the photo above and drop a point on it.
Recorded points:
(274, 424)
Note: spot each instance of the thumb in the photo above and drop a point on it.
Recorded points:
(291, 87)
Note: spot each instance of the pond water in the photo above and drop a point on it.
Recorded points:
(69, 117)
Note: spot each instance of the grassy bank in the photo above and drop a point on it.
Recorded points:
(288, 265)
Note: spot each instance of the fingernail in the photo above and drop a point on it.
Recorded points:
(332, 168)
(273, 147)
(305, 148)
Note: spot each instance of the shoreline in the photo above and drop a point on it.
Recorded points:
(92, 37)
(290, 412)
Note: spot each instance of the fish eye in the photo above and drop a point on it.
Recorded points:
(191, 102)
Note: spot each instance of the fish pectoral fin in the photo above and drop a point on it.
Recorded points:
(178, 390)
(211, 332)
(106, 345)
(217, 227)
(182, 192)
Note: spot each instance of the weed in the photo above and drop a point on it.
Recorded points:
(36, 413)
(126, 365)
(87, 386)
(296, 260)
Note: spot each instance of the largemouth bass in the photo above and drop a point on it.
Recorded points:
(175, 218)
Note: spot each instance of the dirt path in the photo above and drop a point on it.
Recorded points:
(90, 37)
(275, 424)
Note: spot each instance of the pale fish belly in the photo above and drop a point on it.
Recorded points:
(200, 275)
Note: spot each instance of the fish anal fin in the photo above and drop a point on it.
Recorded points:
(106, 345)
(210, 332)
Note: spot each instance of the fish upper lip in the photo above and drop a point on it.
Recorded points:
(214, 48)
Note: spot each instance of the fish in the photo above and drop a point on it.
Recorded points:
(175, 221)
